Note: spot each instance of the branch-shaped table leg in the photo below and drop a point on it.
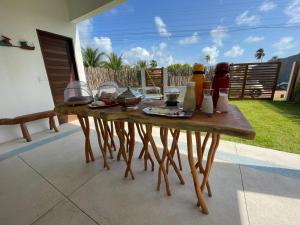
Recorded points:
(85, 125)
(166, 153)
(150, 139)
(144, 150)
(120, 132)
(97, 121)
(200, 154)
(199, 193)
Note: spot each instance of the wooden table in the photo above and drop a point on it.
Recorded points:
(232, 123)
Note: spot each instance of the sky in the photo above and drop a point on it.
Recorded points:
(175, 31)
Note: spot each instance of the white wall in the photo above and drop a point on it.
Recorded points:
(24, 86)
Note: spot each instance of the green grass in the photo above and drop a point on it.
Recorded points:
(277, 124)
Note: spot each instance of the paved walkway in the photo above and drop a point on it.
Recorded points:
(48, 182)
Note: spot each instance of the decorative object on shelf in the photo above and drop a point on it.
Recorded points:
(5, 41)
(24, 45)
(129, 99)
(77, 93)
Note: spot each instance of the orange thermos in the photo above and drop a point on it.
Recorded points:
(198, 77)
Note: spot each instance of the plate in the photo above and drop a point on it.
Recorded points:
(171, 112)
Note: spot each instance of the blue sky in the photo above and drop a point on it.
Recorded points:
(185, 31)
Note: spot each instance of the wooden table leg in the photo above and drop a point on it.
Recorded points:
(210, 158)
(131, 133)
(144, 152)
(97, 121)
(198, 191)
(166, 152)
(85, 125)
(120, 132)
(111, 134)
(159, 160)
(200, 153)
(175, 134)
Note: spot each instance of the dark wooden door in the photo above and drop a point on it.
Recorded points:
(59, 59)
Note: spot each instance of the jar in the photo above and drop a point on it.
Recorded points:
(207, 104)
(189, 103)
(222, 104)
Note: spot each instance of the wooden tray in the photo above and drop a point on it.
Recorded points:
(102, 106)
(180, 114)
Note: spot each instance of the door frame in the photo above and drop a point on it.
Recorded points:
(72, 53)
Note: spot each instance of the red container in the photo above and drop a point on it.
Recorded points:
(221, 80)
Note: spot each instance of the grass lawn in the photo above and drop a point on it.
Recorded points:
(277, 124)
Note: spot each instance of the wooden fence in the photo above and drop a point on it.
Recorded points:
(123, 78)
(253, 80)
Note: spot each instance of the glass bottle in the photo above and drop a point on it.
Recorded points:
(189, 102)
(198, 77)
(222, 104)
(207, 104)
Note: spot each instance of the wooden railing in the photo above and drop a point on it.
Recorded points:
(253, 80)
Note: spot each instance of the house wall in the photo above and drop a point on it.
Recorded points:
(24, 86)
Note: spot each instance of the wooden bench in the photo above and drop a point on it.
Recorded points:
(28, 118)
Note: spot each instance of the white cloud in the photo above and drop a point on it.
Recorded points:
(189, 40)
(157, 52)
(135, 54)
(254, 39)
(284, 44)
(103, 44)
(267, 6)
(161, 27)
(293, 11)
(213, 52)
(85, 29)
(246, 19)
(234, 52)
(218, 34)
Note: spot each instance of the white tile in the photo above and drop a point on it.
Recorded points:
(24, 195)
(63, 162)
(65, 213)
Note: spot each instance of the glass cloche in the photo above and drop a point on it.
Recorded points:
(108, 90)
(77, 93)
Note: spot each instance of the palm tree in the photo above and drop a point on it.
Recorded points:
(259, 54)
(91, 57)
(153, 63)
(115, 63)
(142, 64)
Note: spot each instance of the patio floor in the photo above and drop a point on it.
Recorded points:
(47, 181)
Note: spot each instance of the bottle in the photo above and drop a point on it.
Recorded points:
(222, 104)
(221, 80)
(189, 102)
(198, 77)
(207, 104)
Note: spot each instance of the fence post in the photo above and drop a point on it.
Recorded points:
(143, 78)
(165, 79)
(244, 81)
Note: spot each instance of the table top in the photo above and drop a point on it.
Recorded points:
(232, 123)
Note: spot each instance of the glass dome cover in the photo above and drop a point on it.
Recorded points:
(108, 90)
(77, 93)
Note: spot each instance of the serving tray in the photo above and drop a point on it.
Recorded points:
(102, 106)
(174, 112)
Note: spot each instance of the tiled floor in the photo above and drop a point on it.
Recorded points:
(48, 182)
